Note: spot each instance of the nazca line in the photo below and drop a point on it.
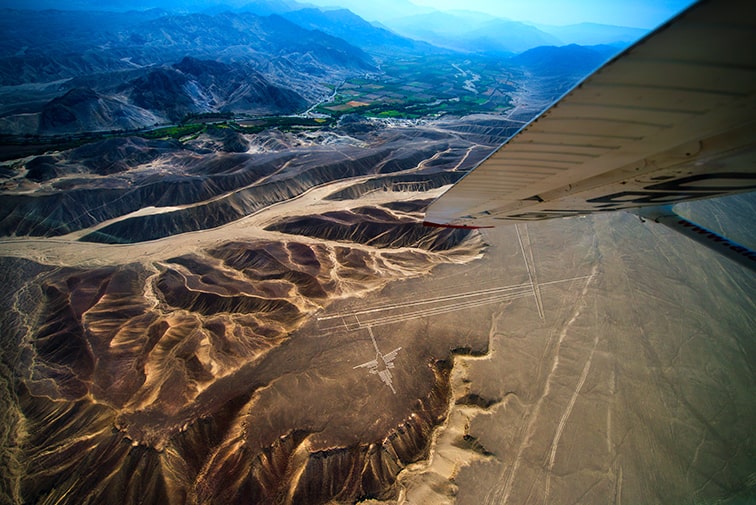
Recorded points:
(372, 316)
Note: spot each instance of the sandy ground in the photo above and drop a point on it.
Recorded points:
(68, 251)
(598, 360)
(631, 383)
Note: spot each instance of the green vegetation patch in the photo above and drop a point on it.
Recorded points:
(175, 132)
(430, 86)
(284, 123)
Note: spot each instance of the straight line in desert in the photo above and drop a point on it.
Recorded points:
(426, 301)
(444, 304)
(530, 266)
(501, 492)
(433, 311)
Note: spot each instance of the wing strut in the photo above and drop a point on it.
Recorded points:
(666, 216)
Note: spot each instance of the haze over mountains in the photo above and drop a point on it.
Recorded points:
(211, 216)
(99, 71)
(137, 62)
(476, 32)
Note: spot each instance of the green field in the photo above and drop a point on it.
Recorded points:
(426, 87)
(176, 132)
(284, 123)
(188, 131)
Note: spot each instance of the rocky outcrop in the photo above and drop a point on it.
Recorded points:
(84, 110)
(292, 471)
(201, 86)
(372, 227)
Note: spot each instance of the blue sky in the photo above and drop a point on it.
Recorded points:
(635, 13)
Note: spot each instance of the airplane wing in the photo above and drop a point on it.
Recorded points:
(671, 119)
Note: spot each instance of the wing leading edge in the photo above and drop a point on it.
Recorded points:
(671, 119)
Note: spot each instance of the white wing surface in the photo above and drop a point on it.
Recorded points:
(671, 119)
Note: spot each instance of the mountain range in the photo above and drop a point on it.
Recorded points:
(473, 32)
(346, 25)
(135, 69)
(99, 70)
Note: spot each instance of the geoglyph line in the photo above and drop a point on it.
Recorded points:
(432, 311)
(530, 266)
(563, 420)
(382, 315)
(436, 299)
(500, 494)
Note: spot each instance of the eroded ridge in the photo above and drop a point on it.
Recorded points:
(305, 466)
(173, 368)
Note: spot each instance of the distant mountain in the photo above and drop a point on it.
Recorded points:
(230, 36)
(472, 32)
(452, 23)
(126, 70)
(167, 93)
(346, 25)
(262, 7)
(501, 35)
(164, 90)
(382, 11)
(77, 44)
(591, 34)
(564, 61)
(198, 86)
(31, 33)
(105, 71)
(82, 109)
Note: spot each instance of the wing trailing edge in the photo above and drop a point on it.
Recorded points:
(671, 119)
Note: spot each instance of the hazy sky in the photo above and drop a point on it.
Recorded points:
(635, 13)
